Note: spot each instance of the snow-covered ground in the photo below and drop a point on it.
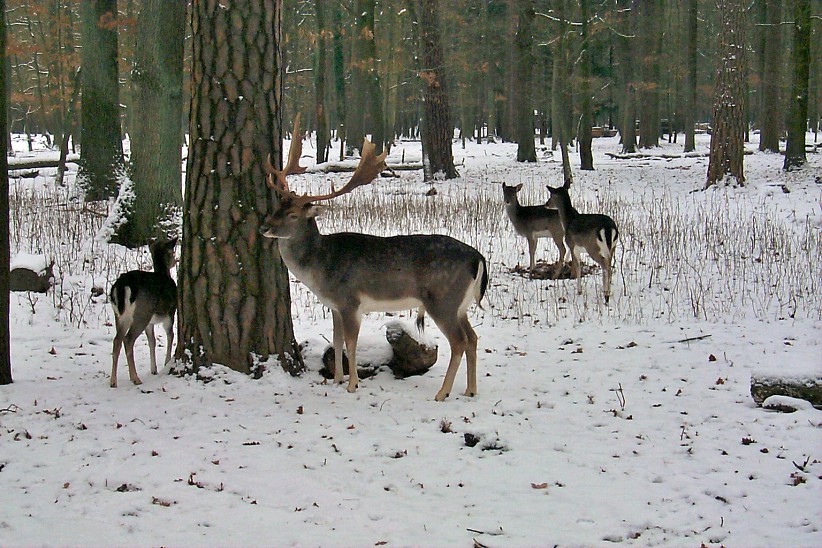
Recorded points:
(628, 424)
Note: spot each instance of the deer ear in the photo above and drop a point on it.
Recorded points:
(519, 187)
(312, 210)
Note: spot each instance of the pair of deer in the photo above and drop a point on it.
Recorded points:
(558, 219)
(350, 273)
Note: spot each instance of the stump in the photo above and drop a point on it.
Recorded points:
(807, 387)
(411, 356)
(24, 278)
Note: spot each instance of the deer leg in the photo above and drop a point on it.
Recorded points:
(115, 356)
(152, 343)
(351, 331)
(131, 337)
(169, 327)
(576, 265)
(470, 357)
(457, 341)
(561, 260)
(338, 346)
(532, 251)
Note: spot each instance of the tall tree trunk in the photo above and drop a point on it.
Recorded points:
(728, 135)
(650, 36)
(627, 46)
(373, 86)
(798, 121)
(437, 129)
(689, 110)
(235, 305)
(5, 247)
(586, 156)
(561, 99)
(339, 77)
(101, 155)
(319, 83)
(157, 132)
(523, 103)
(366, 102)
(770, 115)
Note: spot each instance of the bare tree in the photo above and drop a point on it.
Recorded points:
(5, 343)
(523, 104)
(728, 122)
(770, 115)
(798, 121)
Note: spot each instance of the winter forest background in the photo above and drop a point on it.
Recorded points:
(694, 124)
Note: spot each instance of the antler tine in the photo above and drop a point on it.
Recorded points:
(293, 164)
(368, 169)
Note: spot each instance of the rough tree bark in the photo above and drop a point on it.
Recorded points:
(689, 108)
(235, 305)
(319, 83)
(436, 128)
(728, 122)
(101, 152)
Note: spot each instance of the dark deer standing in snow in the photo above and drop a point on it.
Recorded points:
(353, 273)
(533, 222)
(595, 233)
(140, 300)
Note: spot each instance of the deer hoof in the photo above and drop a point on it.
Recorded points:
(352, 388)
(113, 383)
(470, 393)
(137, 381)
(441, 396)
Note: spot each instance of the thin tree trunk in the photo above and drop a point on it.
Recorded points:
(770, 82)
(585, 138)
(523, 103)
(628, 45)
(235, 307)
(5, 255)
(650, 35)
(319, 83)
(689, 110)
(728, 135)
(797, 126)
(437, 128)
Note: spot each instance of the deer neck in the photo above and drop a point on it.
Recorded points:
(566, 210)
(303, 248)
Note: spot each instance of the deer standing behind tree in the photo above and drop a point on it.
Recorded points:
(353, 273)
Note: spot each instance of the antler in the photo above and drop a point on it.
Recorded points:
(293, 165)
(368, 169)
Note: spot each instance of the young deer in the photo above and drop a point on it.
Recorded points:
(140, 300)
(353, 273)
(596, 234)
(534, 222)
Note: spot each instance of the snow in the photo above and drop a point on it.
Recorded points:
(30, 261)
(624, 425)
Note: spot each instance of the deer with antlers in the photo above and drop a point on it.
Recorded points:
(353, 273)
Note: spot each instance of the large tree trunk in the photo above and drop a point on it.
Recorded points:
(157, 132)
(584, 137)
(526, 151)
(101, 153)
(339, 77)
(728, 136)
(437, 130)
(5, 340)
(235, 305)
(798, 121)
(771, 116)
(689, 108)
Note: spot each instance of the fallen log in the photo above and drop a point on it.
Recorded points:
(803, 387)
